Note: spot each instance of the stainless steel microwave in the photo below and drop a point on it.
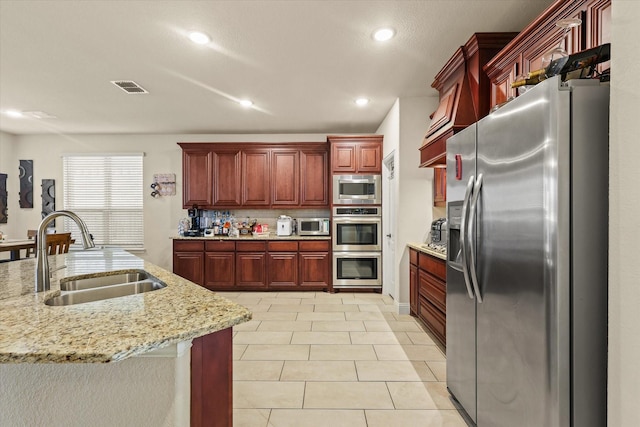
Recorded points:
(357, 190)
(313, 226)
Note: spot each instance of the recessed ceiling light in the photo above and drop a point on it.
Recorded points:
(14, 113)
(246, 103)
(384, 34)
(361, 101)
(199, 37)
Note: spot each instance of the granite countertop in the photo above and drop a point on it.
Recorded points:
(108, 330)
(270, 236)
(422, 247)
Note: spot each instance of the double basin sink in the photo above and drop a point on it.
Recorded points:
(107, 286)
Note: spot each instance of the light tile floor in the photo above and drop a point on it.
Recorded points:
(312, 359)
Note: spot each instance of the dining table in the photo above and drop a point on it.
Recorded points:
(15, 246)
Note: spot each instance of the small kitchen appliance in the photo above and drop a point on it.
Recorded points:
(284, 225)
(195, 217)
(439, 231)
(357, 190)
(313, 226)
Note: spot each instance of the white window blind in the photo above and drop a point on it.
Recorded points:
(106, 192)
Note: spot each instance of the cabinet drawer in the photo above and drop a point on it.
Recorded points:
(283, 246)
(433, 265)
(413, 256)
(251, 246)
(188, 245)
(315, 246)
(434, 319)
(433, 289)
(220, 246)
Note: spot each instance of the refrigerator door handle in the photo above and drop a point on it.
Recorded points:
(470, 237)
(463, 232)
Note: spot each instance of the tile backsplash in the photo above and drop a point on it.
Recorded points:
(270, 216)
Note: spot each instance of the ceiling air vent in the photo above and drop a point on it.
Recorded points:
(130, 86)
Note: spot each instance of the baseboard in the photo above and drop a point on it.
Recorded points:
(402, 307)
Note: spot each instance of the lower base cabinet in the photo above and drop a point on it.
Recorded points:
(428, 292)
(226, 265)
(188, 261)
(212, 380)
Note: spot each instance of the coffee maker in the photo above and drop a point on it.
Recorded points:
(195, 215)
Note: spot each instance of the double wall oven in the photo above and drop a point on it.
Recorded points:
(357, 247)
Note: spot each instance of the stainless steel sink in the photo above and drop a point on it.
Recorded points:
(100, 281)
(105, 292)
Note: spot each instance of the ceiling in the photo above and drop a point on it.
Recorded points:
(302, 63)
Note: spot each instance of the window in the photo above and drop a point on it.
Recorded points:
(105, 190)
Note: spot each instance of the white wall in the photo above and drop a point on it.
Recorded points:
(624, 227)
(403, 131)
(162, 155)
(10, 167)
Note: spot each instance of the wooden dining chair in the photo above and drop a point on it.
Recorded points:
(32, 235)
(58, 243)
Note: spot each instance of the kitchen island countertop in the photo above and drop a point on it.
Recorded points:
(108, 330)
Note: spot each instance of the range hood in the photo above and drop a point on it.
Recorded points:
(464, 94)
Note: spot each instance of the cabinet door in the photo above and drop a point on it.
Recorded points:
(285, 173)
(369, 158)
(250, 269)
(440, 187)
(219, 270)
(598, 17)
(227, 179)
(314, 179)
(315, 269)
(283, 269)
(343, 157)
(413, 289)
(256, 184)
(197, 178)
(189, 265)
(501, 89)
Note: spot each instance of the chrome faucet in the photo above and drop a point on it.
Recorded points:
(43, 282)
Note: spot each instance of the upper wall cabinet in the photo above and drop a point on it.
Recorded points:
(197, 166)
(464, 94)
(524, 53)
(359, 154)
(226, 176)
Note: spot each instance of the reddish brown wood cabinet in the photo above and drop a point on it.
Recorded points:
(286, 175)
(212, 380)
(428, 292)
(285, 171)
(282, 264)
(524, 53)
(227, 178)
(358, 154)
(254, 264)
(256, 174)
(188, 260)
(251, 264)
(413, 281)
(440, 187)
(464, 94)
(314, 178)
(219, 264)
(197, 166)
(315, 264)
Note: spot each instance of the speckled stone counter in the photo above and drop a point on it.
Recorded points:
(108, 330)
(423, 248)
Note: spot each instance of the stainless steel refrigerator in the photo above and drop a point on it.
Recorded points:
(527, 211)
